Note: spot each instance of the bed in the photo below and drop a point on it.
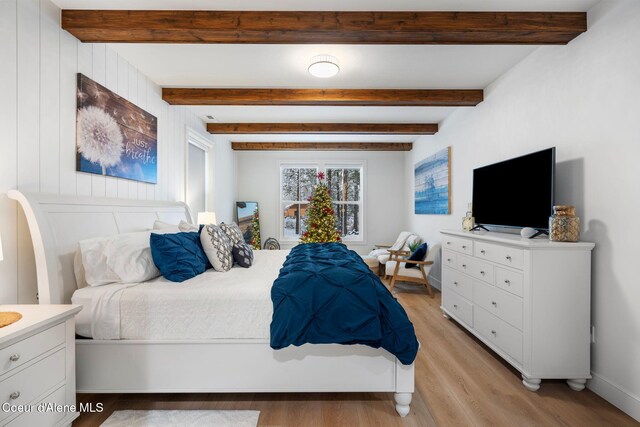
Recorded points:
(184, 355)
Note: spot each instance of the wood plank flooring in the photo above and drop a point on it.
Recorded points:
(459, 382)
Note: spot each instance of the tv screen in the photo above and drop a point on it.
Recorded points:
(517, 192)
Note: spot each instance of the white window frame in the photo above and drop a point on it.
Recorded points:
(321, 166)
(195, 138)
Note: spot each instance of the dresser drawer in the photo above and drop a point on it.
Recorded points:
(501, 334)
(33, 381)
(458, 282)
(23, 351)
(505, 255)
(449, 258)
(458, 306)
(499, 303)
(510, 281)
(458, 244)
(48, 418)
(483, 271)
(464, 264)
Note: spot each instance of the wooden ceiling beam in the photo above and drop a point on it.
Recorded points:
(329, 97)
(289, 27)
(322, 146)
(324, 128)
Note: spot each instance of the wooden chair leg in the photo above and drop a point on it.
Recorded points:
(426, 281)
(395, 274)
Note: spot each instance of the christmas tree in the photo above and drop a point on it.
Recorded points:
(255, 230)
(319, 217)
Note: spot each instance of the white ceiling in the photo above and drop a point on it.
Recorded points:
(362, 66)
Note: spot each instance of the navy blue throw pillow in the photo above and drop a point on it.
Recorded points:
(178, 256)
(243, 254)
(417, 255)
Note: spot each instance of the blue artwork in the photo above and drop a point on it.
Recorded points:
(432, 184)
(114, 137)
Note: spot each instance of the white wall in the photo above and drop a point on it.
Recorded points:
(225, 184)
(38, 67)
(384, 216)
(583, 99)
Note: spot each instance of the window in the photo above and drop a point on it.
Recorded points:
(296, 185)
(345, 184)
(345, 181)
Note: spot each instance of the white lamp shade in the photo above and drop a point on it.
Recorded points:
(206, 218)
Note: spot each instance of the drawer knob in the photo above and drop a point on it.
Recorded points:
(482, 272)
(507, 281)
(14, 395)
(494, 333)
(448, 259)
(455, 306)
(483, 252)
(448, 243)
(464, 247)
(508, 257)
(495, 304)
(464, 265)
(14, 357)
(455, 283)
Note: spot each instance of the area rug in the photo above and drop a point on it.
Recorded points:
(186, 418)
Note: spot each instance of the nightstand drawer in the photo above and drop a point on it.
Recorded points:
(23, 351)
(499, 303)
(458, 244)
(505, 255)
(458, 282)
(48, 418)
(458, 306)
(26, 385)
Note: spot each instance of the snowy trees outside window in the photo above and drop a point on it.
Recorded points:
(345, 183)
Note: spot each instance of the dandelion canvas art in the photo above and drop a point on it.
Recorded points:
(114, 137)
(433, 184)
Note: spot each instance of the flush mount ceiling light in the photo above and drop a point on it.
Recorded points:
(324, 66)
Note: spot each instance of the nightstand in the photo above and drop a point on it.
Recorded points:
(37, 366)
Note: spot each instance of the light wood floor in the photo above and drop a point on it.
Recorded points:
(459, 382)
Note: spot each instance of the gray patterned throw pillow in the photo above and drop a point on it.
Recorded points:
(232, 231)
(218, 247)
(243, 254)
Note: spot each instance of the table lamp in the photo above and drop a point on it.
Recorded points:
(206, 218)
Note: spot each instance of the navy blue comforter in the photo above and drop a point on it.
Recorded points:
(325, 294)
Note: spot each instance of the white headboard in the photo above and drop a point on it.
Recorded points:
(58, 223)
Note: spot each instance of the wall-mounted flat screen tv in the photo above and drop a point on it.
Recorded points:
(516, 193)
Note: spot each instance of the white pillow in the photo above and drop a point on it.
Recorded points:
(187, 226)
(161, 225)
(78, 270)
(218, 247)
(399, 244)
(123, 258)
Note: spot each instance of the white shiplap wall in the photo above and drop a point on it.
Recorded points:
(38, 66)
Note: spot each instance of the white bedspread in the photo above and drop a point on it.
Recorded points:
(213, 305)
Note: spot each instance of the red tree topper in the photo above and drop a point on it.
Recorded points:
(320, 175)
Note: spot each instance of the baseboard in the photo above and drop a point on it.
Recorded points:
(617, 396)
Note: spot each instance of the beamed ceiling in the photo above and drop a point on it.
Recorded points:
(402, 71)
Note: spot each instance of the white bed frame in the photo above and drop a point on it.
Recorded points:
(57, 223)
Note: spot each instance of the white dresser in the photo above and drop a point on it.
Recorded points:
(529, 300)
(37, 366)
